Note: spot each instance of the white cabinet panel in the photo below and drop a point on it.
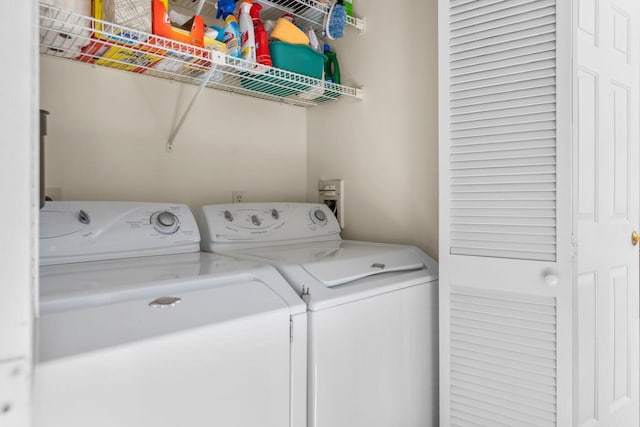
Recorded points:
(587, 145)
(587, 16)
(587, 345)
(620, 333)
(621, 152)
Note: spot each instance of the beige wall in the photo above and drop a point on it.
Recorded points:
(107, 134)
(385, 147)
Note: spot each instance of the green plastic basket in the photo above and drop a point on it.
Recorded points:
(271, 83)
(296, 58)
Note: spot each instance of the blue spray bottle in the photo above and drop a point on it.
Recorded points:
(231, 30)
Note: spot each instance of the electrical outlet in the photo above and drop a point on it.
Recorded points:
(238, 196)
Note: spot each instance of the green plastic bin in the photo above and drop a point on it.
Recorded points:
(296, 58)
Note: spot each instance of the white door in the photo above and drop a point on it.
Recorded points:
(607, 114)
(505, 231)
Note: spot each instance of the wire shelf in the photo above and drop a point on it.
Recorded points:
(310, 12)
(77, 37)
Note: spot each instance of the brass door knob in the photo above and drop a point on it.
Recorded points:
(635, 238)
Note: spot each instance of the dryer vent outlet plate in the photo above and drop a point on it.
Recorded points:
(332, 194)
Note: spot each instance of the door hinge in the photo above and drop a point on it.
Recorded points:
(290, 329)
(574, 246)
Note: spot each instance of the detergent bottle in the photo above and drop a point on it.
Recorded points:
(263, 55)
(331, 67)
(247, 35)
(231, 31)
(232, 36)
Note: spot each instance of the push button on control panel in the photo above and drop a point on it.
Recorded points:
(318, 216)
(165, 222)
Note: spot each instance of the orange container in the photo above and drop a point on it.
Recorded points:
(161, 25)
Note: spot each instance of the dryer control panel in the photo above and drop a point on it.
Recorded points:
(89, 231)
(256, 224)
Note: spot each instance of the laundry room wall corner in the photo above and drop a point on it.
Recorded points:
(386, 146)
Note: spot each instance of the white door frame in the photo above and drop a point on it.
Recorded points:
(19, 121)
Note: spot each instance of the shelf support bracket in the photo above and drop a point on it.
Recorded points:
(175, 131)
(358, 23)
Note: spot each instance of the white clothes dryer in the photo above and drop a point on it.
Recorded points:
(372, 310)
(137, 327)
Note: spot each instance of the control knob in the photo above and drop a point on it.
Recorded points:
(165, 222)
(318, 216)
(255, 220)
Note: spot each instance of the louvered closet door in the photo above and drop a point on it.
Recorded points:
(505, 228)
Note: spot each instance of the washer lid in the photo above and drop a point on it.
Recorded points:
(154, 313)
(338, 263)
(76, 286)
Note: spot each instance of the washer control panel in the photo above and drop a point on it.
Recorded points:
(89, 231)
(266, 222)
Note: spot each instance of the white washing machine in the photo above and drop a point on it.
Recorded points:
(372, 311)
(138, 328)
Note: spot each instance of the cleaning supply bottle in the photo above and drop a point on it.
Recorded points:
(232, 36)
(216, 33)
(348, 6)
(263, 55)
(313, 39)
(231, 31)
(247, 35)
(331, 67)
